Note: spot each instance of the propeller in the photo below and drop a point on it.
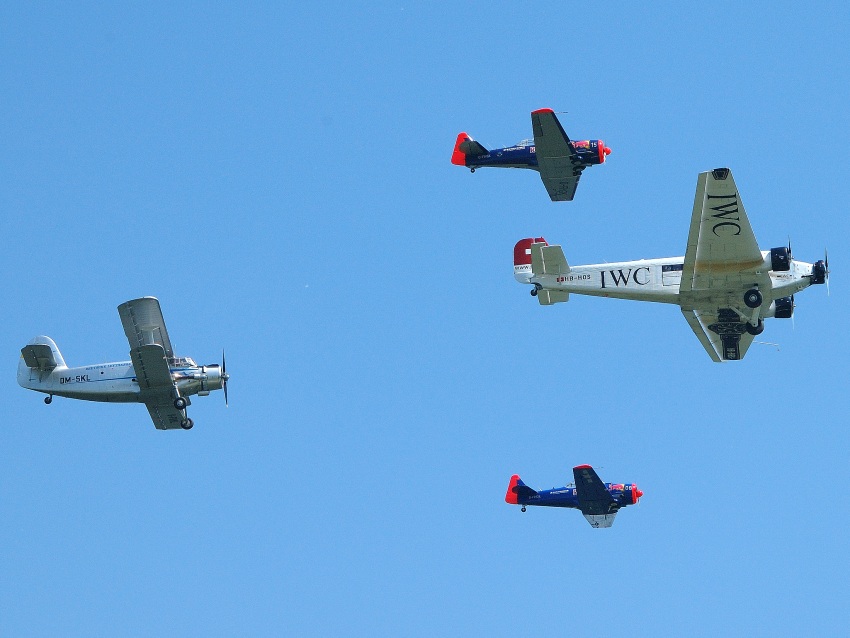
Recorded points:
(826, 265)
(224, 377)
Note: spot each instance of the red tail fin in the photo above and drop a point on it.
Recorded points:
(510, 496)
(458, 156)
(522, 250)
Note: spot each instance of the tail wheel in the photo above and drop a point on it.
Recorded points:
(48, 399)
(752, 298)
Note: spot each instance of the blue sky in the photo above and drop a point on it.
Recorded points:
(279, 177)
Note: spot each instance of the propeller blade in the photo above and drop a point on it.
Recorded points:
(826, 265)
(224, 377)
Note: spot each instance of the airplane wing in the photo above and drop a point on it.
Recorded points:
(722, 261)
(722, 251)
(144, 325)
(721, 333)
(559, 166)
(595, 501)
(156, 385)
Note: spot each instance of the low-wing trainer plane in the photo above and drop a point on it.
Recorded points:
(558, 159)
(154, 376)
(724, 285)
(599, 502)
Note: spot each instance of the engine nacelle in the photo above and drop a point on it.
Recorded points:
(591, 151)
(780, 259)
(782, 308)
(209, 378)
(819, 272)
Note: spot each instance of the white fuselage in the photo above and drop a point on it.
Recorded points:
(655, 280)
(112, 382)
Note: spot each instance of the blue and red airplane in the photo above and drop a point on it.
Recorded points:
(559, 160)
(599, 502)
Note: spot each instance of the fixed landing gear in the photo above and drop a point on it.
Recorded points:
(472, 170)
(752, 298)
(523, 508)
(536, 289)
(187, 424)
(48, 399)
(180, 403)
(755, 330)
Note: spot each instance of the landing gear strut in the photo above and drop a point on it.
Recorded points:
(48, 399)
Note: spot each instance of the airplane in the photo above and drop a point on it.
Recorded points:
(599, 502)
(724, 285)
(559, 160)
(153, 376)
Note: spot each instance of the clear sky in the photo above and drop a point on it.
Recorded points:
(279, 177)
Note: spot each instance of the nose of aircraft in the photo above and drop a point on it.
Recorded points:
(636, 494)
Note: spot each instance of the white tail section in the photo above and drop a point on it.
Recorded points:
(39, 358)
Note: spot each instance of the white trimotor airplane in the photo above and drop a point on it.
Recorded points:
(154, 377)
(724, 284)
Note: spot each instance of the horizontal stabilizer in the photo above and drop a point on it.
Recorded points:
(517, 491)
(548, 297)
(548, 260)
(466, 146)
(600, 520)
(39, 357)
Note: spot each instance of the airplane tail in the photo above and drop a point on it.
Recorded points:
(517, 491)
(522, 258)
(39, 358)
(465, 146)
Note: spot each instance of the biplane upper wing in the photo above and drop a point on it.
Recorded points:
(144, 325)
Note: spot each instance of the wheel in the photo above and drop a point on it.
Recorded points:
(48, 399)
(471, 170)
(180, 403)
(523, 508)
(755, 330)
(187, 424)
(752, 298)
(534, 292)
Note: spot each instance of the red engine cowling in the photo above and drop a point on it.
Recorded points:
(591, 151)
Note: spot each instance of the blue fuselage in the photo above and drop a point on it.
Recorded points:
(567, 497)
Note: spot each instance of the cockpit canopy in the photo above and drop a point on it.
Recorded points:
(186, 362)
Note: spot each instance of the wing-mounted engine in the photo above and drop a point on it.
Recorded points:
(777, 259)
(591, 151)
(780, 259)
(782, 308)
